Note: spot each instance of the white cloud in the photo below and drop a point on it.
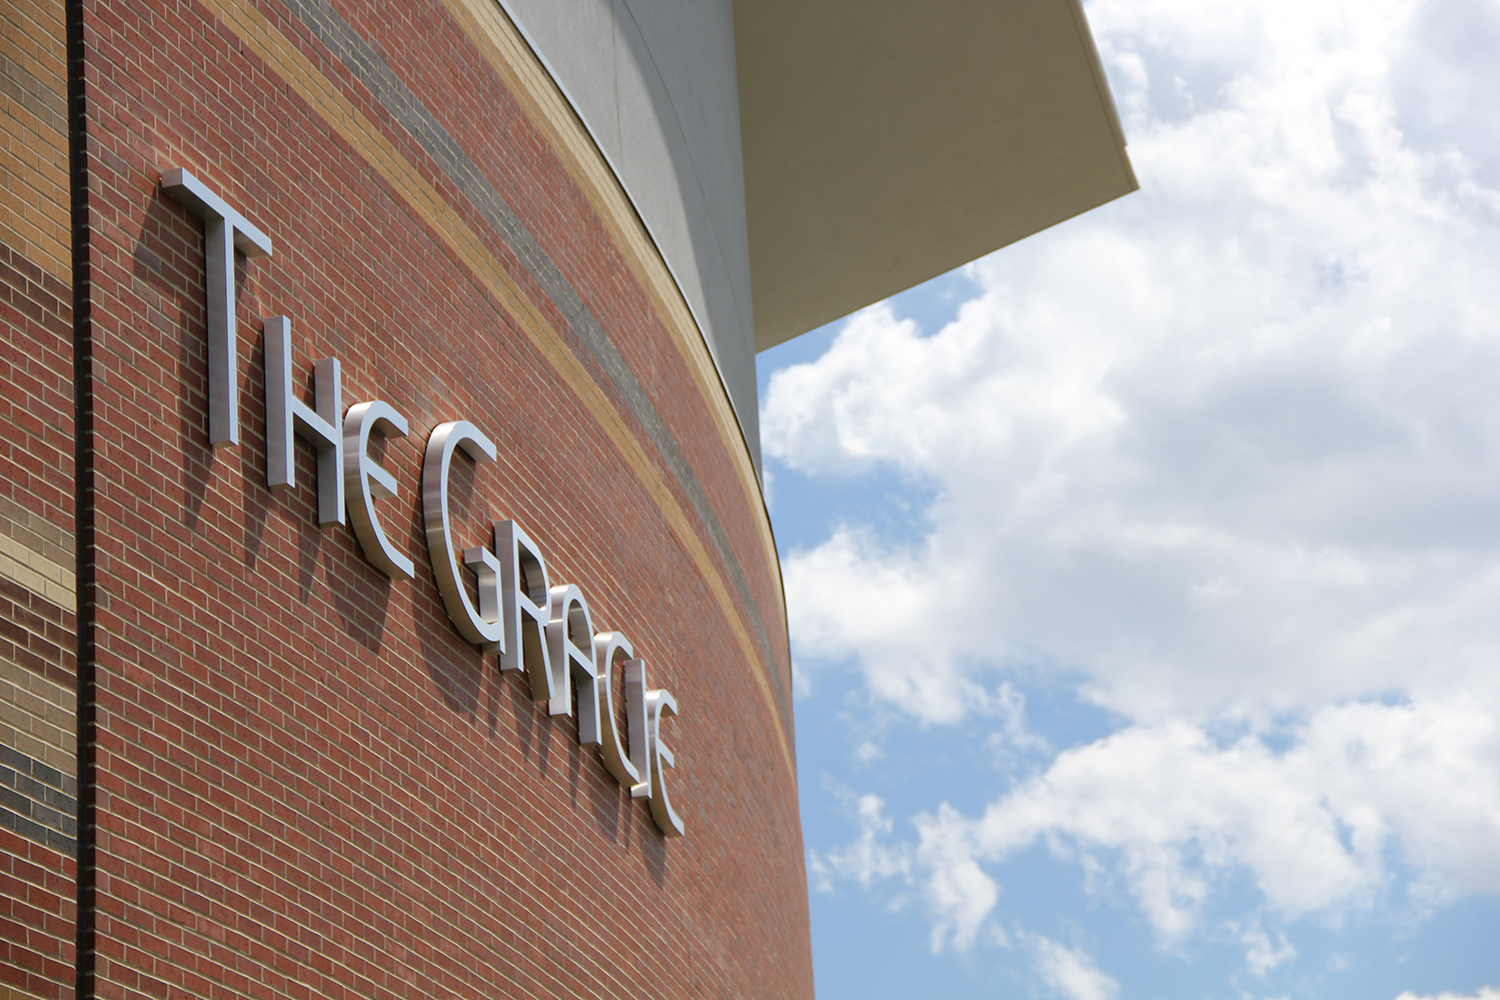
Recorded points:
(845, 587)
(1262, 954)
(801, 682)
(1176, 814)
(958, 891)
(1230, 446)
(1070, 972)
(1229, 452)
(1485, 993)
(867, 859)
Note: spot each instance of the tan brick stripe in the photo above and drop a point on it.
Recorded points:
(36, 554)
(34, 161)
(282, 57)
(508, 53)
(38, 574)
(38, 717)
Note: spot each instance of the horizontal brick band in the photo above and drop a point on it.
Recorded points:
(367, 66)
(283, 58)
(37, 633)
(38, 802)
(38, 574)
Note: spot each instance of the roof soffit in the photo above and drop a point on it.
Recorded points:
(886, 142)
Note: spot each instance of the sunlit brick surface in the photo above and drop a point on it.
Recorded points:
(309, 785)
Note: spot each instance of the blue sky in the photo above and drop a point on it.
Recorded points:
(1144, 577)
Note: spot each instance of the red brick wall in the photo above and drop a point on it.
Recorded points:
(37, 911)
(38, 640)
(308, 783)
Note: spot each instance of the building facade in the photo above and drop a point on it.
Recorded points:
(389, 604)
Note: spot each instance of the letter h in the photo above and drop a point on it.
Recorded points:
(286, 415)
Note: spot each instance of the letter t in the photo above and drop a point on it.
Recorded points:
(224, 229)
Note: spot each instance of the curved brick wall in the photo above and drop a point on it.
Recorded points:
(305, 782)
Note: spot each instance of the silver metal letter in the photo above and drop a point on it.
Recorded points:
(364, 480)
(523, 585)
(635, 714)
(224, 229)
(570, 634)
(661, 702)
(611, 648)
(486, 631)
(487, 584)
(286, 415)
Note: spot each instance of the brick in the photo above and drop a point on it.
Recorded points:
(309, 784)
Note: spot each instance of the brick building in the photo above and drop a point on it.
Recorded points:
(389, 604)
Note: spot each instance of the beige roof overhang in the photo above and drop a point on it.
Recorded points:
(888, 141)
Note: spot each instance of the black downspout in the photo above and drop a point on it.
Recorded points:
(83, 513)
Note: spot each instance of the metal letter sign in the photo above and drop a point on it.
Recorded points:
(224, 229)
(364, 480)
(480, 626)
(667, 820)
(287, 415)
(541, 629)
(570, 637)
(523, 585)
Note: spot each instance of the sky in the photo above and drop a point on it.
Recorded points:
(1144, 576)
